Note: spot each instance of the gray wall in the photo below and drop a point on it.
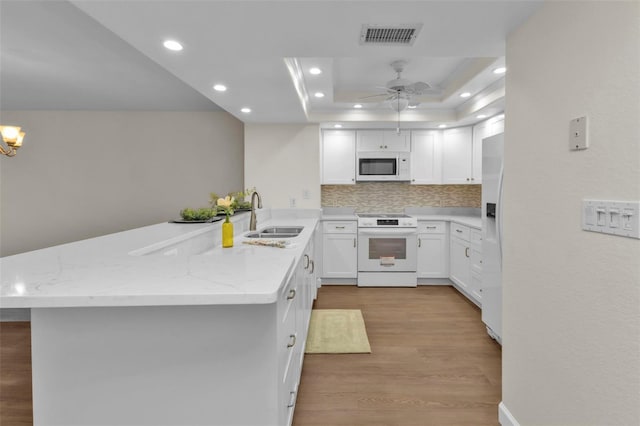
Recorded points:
(571, 334)
(82, 174)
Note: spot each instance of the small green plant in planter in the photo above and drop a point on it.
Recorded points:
(204, 213)
(240, 203)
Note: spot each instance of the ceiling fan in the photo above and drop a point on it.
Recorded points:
(400, 92)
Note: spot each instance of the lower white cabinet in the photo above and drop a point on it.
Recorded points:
(340, 249)
(466, 261)
(433, 249)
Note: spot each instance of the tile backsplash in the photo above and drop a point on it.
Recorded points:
(393, 197)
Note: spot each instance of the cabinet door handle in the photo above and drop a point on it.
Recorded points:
(292, 341)
(431, 227)
(385, 147)
(313, 267)
(473, 179)
(340, 227)
(354, 242)
(306, 261)
(459, 231)
(292, 399)
(466, 251)
(467, 179)
(292, 294)
(419, 242)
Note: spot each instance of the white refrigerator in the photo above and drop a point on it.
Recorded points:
(492, 176)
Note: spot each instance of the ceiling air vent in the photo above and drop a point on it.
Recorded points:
(403, 35)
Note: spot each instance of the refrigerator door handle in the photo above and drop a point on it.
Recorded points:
(499, 213)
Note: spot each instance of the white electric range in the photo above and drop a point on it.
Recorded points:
(387, 250)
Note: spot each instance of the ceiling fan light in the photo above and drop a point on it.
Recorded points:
(399, 103)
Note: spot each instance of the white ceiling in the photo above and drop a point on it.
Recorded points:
(262, 50)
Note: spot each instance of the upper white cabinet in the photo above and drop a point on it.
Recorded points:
(383, 140)
(426, 157)
(483, 130)
(338, 156)
(457, 156)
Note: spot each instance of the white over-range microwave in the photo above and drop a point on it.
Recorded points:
(382, 166)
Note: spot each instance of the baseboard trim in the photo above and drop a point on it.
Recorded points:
(505, 417)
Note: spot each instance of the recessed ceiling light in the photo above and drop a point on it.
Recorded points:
(246, 110)
(220, 87)
(500, 70)
(481, 116)
(412, 106)
(172, 45)
(357, 106)
(319, 95)
(442, 126)
(338, 126)
(315, 71)
(465, 94)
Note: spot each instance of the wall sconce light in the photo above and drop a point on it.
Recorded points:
(12, 137)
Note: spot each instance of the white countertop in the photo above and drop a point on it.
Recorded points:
(184, 266)
(472, 221)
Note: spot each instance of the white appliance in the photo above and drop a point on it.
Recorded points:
(492, 177)
(387, 250)
(382, 166)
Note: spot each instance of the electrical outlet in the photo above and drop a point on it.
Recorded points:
(292, 202)
(306, 194)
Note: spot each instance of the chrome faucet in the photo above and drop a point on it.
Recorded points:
(253, 221)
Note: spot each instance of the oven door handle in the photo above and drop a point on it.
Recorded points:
(388, 231)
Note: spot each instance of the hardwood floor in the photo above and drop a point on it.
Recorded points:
(15, 374)
(432, 363)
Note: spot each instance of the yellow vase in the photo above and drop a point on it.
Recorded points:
(227, 233)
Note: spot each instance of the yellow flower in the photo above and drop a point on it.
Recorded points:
(225, 202)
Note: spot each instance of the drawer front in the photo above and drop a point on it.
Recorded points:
(288, 298)
(475, 237)
(432, 227)
(342, 227)
(460, 231)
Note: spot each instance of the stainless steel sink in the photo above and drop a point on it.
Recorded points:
(282, 230)
(277, 232)
(269, 235)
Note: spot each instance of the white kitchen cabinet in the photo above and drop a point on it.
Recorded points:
(433, 249)
(340, 249)
(426, 157)
(485, 129)
(466, 261)
(338, 157)
(475, 240)
(458, 156)
(383, 140)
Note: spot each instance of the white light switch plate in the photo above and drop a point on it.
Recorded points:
(578, 134)
(620, 218)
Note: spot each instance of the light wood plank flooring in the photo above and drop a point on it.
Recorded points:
(432, 363)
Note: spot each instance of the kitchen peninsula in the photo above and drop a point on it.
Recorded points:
(160, 325)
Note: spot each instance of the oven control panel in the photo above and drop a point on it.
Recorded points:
(372, 222)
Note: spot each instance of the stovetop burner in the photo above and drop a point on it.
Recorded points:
(382, 220)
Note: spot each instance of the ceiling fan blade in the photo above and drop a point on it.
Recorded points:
(418, 87)
(374, 96)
